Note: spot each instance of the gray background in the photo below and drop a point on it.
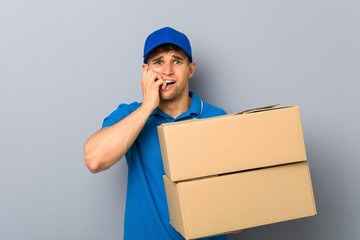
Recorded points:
(65, 65)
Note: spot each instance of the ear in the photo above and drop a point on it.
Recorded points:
(192, 68)
(145, 67)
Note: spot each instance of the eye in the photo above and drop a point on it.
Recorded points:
(158, 62)
(176, 62)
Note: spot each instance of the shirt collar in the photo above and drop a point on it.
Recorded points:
(195, 108)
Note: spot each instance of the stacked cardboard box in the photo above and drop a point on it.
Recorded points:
(237, 171)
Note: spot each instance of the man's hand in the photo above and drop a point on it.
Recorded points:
(151, 83)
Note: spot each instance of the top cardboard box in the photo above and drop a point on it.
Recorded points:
(235, 142)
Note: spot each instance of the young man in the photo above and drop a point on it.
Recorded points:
(131, 130)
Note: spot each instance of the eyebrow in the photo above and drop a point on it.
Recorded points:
(176, 57)
(157, 59)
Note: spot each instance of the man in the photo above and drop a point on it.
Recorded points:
(131, 130)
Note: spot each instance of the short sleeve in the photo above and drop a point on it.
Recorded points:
(120, 113)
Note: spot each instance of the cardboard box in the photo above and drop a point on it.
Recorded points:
(221, 204)
(205, 147)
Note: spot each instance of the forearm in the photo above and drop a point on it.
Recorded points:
(107, 146)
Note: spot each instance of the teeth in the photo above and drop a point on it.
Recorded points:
(169, 81)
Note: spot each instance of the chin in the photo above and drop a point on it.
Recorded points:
(167, 97)
(171, 95)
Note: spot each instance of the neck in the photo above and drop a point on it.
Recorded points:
(175, 108)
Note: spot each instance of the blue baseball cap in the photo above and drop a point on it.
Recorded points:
(167, 35)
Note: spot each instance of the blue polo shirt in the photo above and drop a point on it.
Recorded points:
(146, 210)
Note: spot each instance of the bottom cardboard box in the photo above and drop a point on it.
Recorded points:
(226, 203)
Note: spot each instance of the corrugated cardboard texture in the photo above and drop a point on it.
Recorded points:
(212, 146)
(231, 202)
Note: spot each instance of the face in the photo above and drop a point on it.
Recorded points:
(176, 70)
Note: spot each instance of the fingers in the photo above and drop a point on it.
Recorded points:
(150, 77)
(151, 84)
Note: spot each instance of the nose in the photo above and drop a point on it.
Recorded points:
(167, 69)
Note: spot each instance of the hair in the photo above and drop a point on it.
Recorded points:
(166, 48)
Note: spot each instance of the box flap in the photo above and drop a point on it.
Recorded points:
(260, 109)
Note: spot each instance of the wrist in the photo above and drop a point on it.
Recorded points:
(146, 109)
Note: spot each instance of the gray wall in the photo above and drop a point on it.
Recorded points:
(65, 65)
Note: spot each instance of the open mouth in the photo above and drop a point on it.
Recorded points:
(169, 82)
